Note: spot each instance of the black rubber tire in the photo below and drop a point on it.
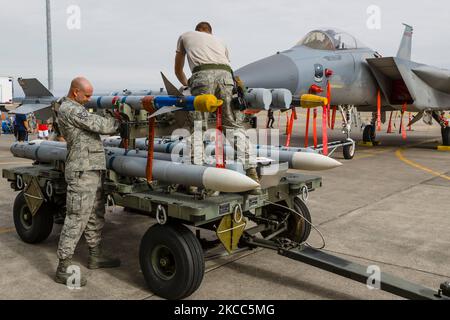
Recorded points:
(302, 208)
(186, 252)
(34, 229)
(369, 134)
(349, 152)
(305, 231)
(446, 136)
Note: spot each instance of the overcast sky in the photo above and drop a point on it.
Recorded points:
(124, 44)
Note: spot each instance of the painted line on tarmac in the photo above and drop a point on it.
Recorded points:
(6, 230)
(399, 154)
(372, 153)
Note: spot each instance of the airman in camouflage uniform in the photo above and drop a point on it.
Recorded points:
(84, 172)
(212, 74)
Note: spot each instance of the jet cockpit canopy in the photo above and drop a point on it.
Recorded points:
(330, 39)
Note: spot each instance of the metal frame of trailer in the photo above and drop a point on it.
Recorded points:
(171, 256)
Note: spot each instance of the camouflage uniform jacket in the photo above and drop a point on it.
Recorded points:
(82, 131)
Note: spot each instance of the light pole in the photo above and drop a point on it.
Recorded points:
(49, 47)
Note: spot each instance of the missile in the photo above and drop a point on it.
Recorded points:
(158, 104)
(134, 153)
(298, 160)
(256, 98)
(222, 180)
(308, 161)
(281, 99)
(265, 99)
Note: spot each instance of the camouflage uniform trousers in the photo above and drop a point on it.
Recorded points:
(220, 83)
(85, 211)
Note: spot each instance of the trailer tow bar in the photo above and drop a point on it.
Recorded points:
(350, 270)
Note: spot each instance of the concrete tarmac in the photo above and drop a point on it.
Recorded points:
(388, 207)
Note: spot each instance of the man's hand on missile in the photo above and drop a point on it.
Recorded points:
(115, 113)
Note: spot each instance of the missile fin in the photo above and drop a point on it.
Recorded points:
(164, 110)
(170, 88)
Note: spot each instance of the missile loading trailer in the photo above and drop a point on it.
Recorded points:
(171, 255)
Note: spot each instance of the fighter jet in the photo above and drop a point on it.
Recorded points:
(356, 74)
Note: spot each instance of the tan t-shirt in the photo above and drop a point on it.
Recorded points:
(202, 48)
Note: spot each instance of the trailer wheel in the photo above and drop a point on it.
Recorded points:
(32, 229)
(304, 224)
(349, 152)
(369, 133)
(172, 261)
(299, 227)
(446, 136)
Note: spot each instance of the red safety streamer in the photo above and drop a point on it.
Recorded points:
(147, 103)
(308, 114)
(328, 106)
(379, 111)
(287, 123)
(324, 131)
(291, 127)
(220, 161)
(315, 127)
(333, 118)
(402, 127)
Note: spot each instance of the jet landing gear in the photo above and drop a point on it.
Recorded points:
(445, 127)
(446, 136)
(348, 115)
(369, 133)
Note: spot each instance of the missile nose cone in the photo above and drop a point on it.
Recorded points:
(277, 71)
(224, 180)
(313, 162)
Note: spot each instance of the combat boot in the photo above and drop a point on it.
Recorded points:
(62, 276)
(251, 173)
(98, 259)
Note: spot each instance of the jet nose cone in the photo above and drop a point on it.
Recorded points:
(277, 71)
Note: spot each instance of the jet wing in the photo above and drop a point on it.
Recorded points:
(41, 111)
(420, 86)
(391, 81)
(438, 79)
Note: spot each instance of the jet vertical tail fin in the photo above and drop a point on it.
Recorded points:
(34, 88)
(404, 52)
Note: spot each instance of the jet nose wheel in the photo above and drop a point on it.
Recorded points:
(349, 151)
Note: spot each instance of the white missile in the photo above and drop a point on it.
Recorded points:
(301, 160)
(217, 179)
